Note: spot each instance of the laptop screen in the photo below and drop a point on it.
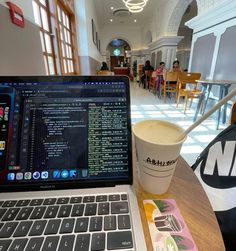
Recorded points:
(64, 132)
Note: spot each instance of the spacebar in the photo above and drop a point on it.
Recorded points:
(119, 240)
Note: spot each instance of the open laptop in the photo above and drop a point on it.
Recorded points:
(66, 165)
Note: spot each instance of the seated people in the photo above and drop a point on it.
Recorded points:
(104, 67)
(147, 67)
(160, 71)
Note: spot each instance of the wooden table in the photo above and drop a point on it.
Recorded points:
(193, 205)
(206, 87)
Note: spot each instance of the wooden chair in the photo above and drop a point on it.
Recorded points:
(152, 81)
(170, 84)
(147, 78)
(232, 118)
(107, 73)
(185, 78)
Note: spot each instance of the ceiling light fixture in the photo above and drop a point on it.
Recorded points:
(135, 6)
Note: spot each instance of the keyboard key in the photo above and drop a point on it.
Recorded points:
(63, 200)
(23, 228)
(77, 210)
(103, 208)
(119, 240)
(38, 227)
(119, 207)
(1, 202)
(24, 213)
(51, 212)
(109, 222)
(66, 243)
(22, 203)
(52, 227)
(9, 203)
(35, 244)
(1, 225)
(124, 197)
(101, 198)
(98, 242)
(81, 225)
(18, 245)
(64, 211)
(124, 222)
(114, 197)
(88, 199)
(38, 213)
(82, 242)
(95, 224)
(50, 243)
(75, 200)
(4, 244)
(67, 226)
(36, 202)
(8, 229)
(2, 212)
(90, 209)
(50, 201)
(10, 214)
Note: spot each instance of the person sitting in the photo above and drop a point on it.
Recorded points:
(160, 71)
(176, 67)
(172, 85)
(104, 67)
(147, 67)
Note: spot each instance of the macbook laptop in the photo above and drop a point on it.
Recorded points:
(66, 165)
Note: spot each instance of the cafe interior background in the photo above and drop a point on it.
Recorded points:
(74, 37)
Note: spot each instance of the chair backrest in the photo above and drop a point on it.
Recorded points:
(148, 73)
(110, 73)
(154, 74)
(188, 78)
(171, 76)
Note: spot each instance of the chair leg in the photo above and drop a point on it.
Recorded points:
(164, 95)
(185, 103)
(177, 102)
(191, 102)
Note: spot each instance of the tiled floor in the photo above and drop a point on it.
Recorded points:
(144, 105)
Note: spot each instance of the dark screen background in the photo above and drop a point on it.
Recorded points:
(77, 131)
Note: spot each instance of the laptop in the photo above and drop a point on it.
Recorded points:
(66, 165)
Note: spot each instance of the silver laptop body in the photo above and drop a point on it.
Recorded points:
(65, 144)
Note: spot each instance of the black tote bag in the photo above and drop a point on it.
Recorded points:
(216, 169)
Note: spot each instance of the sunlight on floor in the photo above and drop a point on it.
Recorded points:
(144, 105)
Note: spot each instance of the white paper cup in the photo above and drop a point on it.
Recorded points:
(157, 153)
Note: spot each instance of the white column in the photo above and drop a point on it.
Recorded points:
(168, 46)
(218, 35)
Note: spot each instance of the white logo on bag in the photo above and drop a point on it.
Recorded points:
(223, 158)
(221, 199)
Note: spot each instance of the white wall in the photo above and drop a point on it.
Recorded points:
(213, 21)
(131, 34)
(20, 48)
(26, 7)
(204, 5)
(89, 55)
(85, 12)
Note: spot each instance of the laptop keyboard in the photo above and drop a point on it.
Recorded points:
(85, 223)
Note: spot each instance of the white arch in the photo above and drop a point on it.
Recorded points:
(122, 38)
(176, 16)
